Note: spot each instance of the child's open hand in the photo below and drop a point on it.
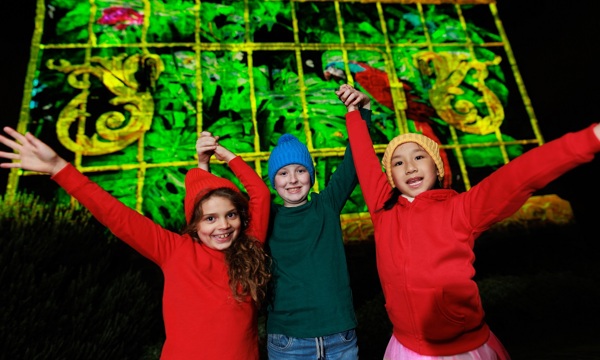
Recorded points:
(31, 153)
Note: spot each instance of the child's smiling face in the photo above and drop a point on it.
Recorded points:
(220, 224)
(292, 183)
(413, 169)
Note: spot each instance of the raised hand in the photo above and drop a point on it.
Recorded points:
(31, 153)
(352, 98)
(223, 154)
(205, 148)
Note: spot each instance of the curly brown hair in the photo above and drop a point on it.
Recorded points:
(248, 263)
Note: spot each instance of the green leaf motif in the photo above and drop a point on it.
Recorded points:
(164, 190)
(487, 156)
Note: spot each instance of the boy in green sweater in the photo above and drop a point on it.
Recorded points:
(310, 311)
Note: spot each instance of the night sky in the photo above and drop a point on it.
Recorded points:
(553, 42)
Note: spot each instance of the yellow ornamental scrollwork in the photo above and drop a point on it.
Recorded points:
(450, 70)
(130, 79)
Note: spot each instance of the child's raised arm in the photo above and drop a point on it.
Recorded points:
(224, 154)
(208, 145)
(32, 153)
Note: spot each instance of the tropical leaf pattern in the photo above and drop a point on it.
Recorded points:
(250, 71)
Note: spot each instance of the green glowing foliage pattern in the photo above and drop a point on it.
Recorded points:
(265, 90)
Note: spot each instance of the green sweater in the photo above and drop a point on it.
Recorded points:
(311, 294)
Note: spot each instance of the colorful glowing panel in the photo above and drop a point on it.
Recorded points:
(123, 88)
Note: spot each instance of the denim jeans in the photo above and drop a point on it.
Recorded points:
(340, 346)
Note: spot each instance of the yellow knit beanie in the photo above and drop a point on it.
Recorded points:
(426, 143)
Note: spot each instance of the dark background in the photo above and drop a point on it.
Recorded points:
(553, 43)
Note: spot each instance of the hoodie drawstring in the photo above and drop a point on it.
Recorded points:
(320, 348)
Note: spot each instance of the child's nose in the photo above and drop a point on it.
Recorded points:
(224, 223)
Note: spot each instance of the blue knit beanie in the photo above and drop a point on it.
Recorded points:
(290, 150)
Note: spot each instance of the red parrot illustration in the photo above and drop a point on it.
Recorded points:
(377, 84)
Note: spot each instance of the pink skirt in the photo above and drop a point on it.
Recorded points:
(491, 350)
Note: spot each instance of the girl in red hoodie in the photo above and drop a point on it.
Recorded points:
(424, 235)
(215, 273)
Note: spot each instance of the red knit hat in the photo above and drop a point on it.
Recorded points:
(199, 182)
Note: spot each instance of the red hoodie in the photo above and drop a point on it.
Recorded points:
(425, 248)
(202, 319)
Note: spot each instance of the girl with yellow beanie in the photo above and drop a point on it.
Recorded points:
(424, 235)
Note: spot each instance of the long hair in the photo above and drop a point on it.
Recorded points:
(247, 262)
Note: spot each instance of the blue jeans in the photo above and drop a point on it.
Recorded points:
(340, 346)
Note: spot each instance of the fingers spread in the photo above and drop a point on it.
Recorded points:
(9, 155)
(15, 134)
(10, 143)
